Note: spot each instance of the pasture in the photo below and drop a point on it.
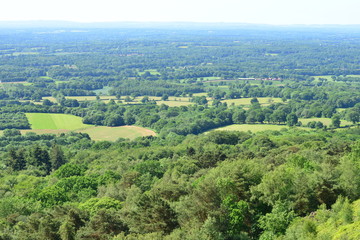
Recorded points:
(246, 101)
(55, 121)
(100, 133)
(327, 77)
(42, 123)
(325, 121)
(251, 127)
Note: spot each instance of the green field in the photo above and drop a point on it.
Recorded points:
(174, 103)
(355, 76)
(251, 127)
(42, 123)
(246, 101)
(327, 77)
(55, 121)
(325, 121)
(151, 71)
(113, 133)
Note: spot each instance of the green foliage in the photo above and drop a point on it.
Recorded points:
(336, 121)
(69, 169)
(276, 222)
(94, 205)
(52, 196)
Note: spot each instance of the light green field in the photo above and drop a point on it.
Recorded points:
(42, 123)
(174, 103)
(199, 94)
(246, 101)
(325, 121)
(113, 133)
(101, 133)
(52, 99)
(90, 98)
(340, 109)
(22, 83)
(55, 121)
(251, 127)
(327, 77)
(355, 76)
(151, 71)
(181, 99)
(59, 82)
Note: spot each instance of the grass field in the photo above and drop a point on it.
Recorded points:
(55, 121)
(246, 101)
(340, 109)
(355, 76)
(327, 77)
(151, 71)
(101, 133)
(22, 83)
(174, 103)
(113, 133)
(325, 121)
(251, 127)
(42, 123)
(91, 98)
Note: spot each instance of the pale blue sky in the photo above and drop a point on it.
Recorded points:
(249, 11)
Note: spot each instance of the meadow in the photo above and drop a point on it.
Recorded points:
(246, 101)
(42, 123)
(55, 121)
(325, 121)
(327, 77)
(101, 133)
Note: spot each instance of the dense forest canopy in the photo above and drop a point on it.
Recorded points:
(188, 182)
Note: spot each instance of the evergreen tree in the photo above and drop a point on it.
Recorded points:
(57, 158)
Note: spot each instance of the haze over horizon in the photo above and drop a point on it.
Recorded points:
(276, 12)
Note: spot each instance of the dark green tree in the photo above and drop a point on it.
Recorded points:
(57, 158)
(335, 120)
(291, 119)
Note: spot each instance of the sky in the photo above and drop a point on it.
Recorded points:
(279, 12)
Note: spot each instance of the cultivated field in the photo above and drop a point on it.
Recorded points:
(55, 121)
(42, 123)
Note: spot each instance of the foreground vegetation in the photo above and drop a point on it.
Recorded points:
(290, 184)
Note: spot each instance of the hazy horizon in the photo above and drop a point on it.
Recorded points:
(276, 12)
